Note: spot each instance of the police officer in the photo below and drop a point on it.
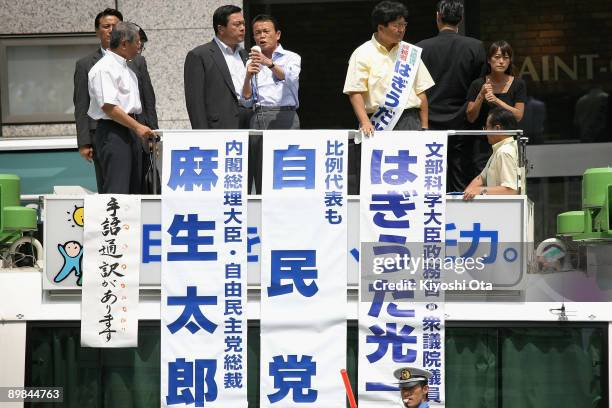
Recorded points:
(413, 386)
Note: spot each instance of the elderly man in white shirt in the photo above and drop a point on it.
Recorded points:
(114, 102)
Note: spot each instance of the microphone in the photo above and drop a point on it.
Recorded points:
(253, 48)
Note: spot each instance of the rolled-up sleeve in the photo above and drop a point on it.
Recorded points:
(103, 89)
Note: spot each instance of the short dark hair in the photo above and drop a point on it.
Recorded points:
(502, 117)
(221, 15)
(123, 31)
(107, 12)
(142, 34)
(266, 17)
(450, 11)
(505, 49)
(386, 12)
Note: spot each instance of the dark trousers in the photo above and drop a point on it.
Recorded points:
(460, 167)
(410, 120)
(266, 119)
(118, 154)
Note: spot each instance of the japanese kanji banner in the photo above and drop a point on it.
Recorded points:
(304, 268)
(401, 313)
(203, 278)
(111, 257)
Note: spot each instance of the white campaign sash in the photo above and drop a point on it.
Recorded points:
(303, 268)
(111, 261)
(402, 203)
(203, 276)
(396, 96)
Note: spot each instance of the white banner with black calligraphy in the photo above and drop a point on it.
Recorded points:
(401, 313)
(203, 278)
(111, 270)
(304, 268)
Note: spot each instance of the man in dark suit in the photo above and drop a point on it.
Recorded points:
(86, 126)
(454, 61)
(214, 75)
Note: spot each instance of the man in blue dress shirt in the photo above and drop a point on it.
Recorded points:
(270, 88)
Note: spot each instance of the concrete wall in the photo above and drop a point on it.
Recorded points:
(173, 28)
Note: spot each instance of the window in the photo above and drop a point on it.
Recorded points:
(37, 77)
(488, 365)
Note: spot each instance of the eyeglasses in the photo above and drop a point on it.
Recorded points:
(399, 26)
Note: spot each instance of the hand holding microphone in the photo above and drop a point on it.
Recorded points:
(252, 64)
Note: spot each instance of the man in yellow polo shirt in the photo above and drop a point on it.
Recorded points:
(500, 175)
(371, 69)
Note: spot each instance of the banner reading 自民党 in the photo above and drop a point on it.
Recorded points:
(303, 268)
(111, 257)
(203, 278)
(402, 208)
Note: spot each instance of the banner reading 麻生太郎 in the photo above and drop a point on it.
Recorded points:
(203, 279)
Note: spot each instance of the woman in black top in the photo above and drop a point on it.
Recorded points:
(498, 88)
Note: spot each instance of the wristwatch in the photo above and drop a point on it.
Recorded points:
(271, 66)
(483, 191)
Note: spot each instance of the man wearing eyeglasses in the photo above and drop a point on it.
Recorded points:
(214, 75)
(379, 71)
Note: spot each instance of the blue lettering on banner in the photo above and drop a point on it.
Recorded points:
(251, 242)
(394, 176)
(191, 225)
(186, 379)
(294, 168)
(391, 337)
(334, 181)
(291, 374)
(192, 303)
(297, 266)
(148, 243)
(475, 235)
(193, 168)
(402, 68)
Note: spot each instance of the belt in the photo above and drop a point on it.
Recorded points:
(274, 108)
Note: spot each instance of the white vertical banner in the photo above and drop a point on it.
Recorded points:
(111, 261)
(402, 206)
(303, 268)
(203, 278)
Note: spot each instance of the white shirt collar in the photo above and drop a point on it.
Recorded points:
(120, 60)
(225, 48)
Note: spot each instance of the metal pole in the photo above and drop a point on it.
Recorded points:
(153, 151)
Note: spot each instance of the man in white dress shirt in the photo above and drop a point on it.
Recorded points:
(271, 87)
(114, 102)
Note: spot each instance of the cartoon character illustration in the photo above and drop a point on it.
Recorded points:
(72, 252)
(76, 216)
